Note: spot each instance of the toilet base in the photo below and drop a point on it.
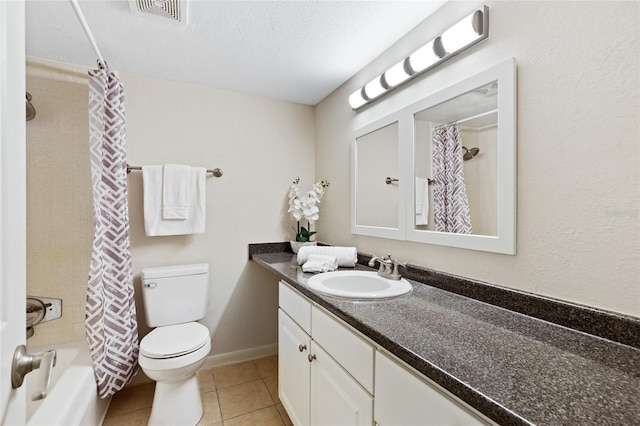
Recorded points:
(176, 403)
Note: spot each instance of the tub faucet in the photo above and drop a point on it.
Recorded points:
(388, 266)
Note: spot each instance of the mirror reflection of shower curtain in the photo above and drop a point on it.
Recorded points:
(450, 202)
(110, 314)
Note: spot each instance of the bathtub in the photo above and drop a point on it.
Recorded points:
(72, 398)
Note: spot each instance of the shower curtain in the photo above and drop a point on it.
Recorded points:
(450, 202)
(110, 315)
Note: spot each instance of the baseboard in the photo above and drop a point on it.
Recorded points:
(239, 356)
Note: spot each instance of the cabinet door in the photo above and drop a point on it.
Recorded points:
(293, 369)
(336, 398)
(402, 399)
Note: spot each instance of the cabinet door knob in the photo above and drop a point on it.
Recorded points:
(302, 347)
(311, 357)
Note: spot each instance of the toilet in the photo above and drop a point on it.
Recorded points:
(174, 298)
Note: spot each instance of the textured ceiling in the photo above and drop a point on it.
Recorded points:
(297, 51)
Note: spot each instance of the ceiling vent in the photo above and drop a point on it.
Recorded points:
(174, 10)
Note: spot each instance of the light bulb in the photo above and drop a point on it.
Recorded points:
(356, 100)
(396, 74)
(374, 88)
(460, 34)
(423, 58)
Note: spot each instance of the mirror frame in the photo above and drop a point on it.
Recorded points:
(505, 240)
(377, 231)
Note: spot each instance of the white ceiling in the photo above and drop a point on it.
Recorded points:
(297, 51)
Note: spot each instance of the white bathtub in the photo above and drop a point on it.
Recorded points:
(72, 398)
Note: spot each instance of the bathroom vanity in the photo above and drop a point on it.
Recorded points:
(437, 353)
(325, 363)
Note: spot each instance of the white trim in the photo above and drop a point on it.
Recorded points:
(239, 356)
(13, 196)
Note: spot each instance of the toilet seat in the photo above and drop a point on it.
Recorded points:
(174, 340)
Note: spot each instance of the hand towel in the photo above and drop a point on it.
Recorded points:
(175, 191)
(422, 201)
(154, 223)
(346, 256)
(320, 263)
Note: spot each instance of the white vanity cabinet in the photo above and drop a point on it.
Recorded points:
(316, 386)
(404, 399)
(326, 375)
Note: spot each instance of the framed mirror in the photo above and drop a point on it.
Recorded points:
(464, 164)
(377, 201)
(450, 160)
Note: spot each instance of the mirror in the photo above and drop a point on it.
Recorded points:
(455, 164)
(458, 185)
(377, 203)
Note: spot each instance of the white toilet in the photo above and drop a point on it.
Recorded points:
(174, 298)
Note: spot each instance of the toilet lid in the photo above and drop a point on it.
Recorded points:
(174, 340)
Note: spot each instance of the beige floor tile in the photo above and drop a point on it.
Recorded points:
(206, 383)
(285, 416)
(211, 415)
(134, 418)
(234, 374)
(267, 366)
(243, 398)
(272, 386)
(265, 417)
(131, 399)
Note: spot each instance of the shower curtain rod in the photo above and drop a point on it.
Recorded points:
(462, 120)
(76, 7)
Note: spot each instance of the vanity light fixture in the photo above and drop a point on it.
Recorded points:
(469, 31)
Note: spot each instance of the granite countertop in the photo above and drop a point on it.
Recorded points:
(513, 368)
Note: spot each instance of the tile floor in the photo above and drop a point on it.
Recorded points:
(243, 394)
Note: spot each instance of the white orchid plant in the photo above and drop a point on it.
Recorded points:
(305, 207)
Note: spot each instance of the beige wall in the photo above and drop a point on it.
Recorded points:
(578, 232)
(260, 144)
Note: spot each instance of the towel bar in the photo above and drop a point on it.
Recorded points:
(389, 180)
(216, 172)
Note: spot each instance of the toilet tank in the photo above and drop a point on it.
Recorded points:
(175, 294)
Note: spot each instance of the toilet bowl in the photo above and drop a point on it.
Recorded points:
(171, 356)
(175, 297)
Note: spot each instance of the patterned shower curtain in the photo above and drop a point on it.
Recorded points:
(450, 202)
(110, 316)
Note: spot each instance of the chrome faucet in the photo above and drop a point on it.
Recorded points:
(388, 266)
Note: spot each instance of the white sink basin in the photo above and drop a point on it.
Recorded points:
(358, 285)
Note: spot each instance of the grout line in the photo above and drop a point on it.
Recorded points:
(253, 411)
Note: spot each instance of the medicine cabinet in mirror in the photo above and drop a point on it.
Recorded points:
(455, 167)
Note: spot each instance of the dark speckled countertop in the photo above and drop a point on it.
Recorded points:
(513, 368)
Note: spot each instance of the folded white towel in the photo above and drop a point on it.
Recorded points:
(422, 201)
(154, 223)
(346, 256)
(320, 263)
(175, 191)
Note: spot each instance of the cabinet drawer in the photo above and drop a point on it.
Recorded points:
(353, 353)
(295, 305)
